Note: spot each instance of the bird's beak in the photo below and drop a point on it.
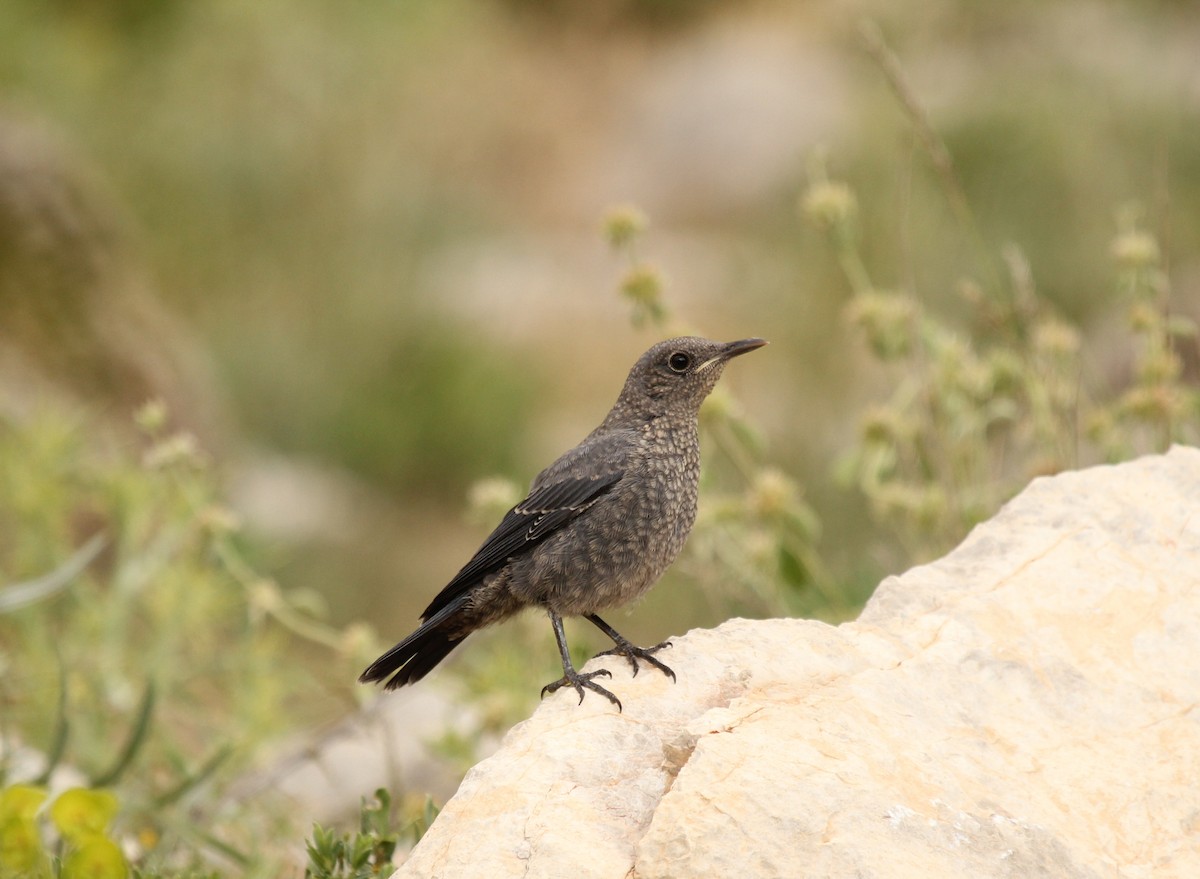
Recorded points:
(731, 350)
(742, 346)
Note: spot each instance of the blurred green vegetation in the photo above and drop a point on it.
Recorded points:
(368, 852)
(283, 229)
(154, 660)
(375, 226)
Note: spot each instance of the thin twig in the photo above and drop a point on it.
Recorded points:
(931, 142)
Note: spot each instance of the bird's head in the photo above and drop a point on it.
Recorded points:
(676, 375)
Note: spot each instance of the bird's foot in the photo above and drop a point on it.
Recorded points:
(583, 682)
(633, 653)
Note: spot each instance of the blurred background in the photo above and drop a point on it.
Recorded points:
(358, 249)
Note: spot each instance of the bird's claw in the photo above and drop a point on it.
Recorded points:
(633, 653)
(584, 681)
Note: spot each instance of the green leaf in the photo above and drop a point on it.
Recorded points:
(376, 814)
(194, 780)
(792, 569)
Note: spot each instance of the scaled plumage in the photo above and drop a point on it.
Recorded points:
(599, 527)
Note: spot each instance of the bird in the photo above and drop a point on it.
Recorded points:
(597, 529)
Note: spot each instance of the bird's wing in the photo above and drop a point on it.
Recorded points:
(548, 507)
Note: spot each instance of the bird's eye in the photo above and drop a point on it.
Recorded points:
(679, 362)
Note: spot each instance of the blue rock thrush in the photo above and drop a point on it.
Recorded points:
(599, 527)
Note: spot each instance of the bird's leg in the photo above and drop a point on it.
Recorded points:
(572, 677)
(628, 650)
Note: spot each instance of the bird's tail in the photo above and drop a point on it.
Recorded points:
(414, 657)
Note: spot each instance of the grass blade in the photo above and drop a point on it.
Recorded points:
(20, 595)
(134, 743)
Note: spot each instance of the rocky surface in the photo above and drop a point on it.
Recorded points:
(1027, 706)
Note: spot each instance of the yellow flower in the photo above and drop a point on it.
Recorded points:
(20, 801)
(622, 224)
(1135, 249)
(829, 203)
(80, 813)
(97, 857)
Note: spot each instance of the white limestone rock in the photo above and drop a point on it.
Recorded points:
(1027, 706)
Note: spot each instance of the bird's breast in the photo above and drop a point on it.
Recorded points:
(621, 545)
